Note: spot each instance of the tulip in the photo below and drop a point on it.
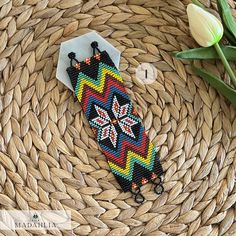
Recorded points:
(205, 28)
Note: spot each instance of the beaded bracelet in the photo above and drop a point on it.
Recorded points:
(117, 127)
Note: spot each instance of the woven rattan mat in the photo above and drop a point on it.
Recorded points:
(48, 156)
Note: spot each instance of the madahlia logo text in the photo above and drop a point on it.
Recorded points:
(34, 220)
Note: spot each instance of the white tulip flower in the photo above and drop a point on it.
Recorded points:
(205, 28)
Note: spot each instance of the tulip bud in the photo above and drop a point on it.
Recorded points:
(205, 28)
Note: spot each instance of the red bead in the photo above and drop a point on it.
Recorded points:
(134, 185)
(87, 61)
(77, 66)
(97, 56)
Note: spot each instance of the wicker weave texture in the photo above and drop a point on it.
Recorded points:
(49, 158)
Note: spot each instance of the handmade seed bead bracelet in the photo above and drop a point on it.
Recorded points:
(115, 123)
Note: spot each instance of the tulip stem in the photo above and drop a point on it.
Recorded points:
(226, 64)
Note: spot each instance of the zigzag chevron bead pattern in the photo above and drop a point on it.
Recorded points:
(114, 121)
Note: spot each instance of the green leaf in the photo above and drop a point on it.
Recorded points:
(207, 53)
(229, 36)
(196, 2)
(217, 83)
(226, 16)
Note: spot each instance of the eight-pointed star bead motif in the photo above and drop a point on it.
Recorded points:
(106, 125)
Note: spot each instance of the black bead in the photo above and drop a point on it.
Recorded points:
(71, 55)
(94, 44)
